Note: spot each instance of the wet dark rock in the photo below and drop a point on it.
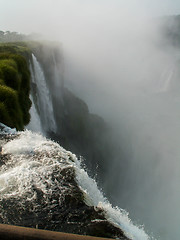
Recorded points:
(4, 138)
(63, 210)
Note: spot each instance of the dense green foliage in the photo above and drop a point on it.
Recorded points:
(14, 85)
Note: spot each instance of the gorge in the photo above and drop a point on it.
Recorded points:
(134, 157)
(41, 184)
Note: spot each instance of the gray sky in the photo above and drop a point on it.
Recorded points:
(59, 15)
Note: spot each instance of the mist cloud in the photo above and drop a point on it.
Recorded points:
(116, 61)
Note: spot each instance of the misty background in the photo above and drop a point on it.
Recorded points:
(116, 58)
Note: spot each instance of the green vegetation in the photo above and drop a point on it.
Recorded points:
(14, 85)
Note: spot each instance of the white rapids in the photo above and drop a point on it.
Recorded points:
(18, 174)
(43, 98)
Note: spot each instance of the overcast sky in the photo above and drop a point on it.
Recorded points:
(58, 15)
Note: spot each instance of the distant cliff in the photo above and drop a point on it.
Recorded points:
(53, 200)
(78, 130)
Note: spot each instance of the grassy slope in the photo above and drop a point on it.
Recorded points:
(14, 85)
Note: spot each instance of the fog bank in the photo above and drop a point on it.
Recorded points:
(117, 60)
(130, 77)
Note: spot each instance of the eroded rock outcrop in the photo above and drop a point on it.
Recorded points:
(39, 188)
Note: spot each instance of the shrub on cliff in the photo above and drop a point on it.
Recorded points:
(24, 90)
(2, 82)
(9, 73)
(9, 98)
(4, 115)
(14, 87)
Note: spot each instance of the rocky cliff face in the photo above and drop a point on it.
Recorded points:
(41, 183)
(78, 130)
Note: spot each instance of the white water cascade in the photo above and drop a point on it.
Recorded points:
(35, 123)
(25, 170)
(43, 106)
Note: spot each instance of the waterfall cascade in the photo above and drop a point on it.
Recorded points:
(43, 102)
(35, 123)
(42, 182)
(45, 185)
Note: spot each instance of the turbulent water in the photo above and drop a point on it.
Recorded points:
(38, 178)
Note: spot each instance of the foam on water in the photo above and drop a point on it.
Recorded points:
(117, 216)
(25, 168)
(18, 175)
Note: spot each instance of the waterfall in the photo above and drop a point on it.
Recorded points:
(42, 105)
(35, 123)
(39, 179)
